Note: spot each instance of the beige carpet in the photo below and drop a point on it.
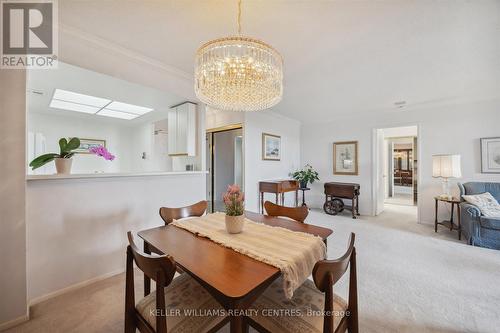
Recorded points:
(410, 280)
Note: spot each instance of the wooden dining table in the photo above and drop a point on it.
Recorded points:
(233, 279)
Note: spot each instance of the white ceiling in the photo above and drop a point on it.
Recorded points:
(341, 57)
(42, 84)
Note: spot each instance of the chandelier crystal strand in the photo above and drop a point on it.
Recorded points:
(238, 73)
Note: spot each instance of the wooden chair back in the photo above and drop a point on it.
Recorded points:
(325, 274)
(298, 214)
(161, 269)
(170, 214)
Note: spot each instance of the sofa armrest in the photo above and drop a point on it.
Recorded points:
(470, 209)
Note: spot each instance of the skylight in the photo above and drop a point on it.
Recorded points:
(117, 114)
(69, 96)
(123, 107)
(71, 101)
(73, 106)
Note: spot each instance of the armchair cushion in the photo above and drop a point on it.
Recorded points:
(485, 202)
(490, 222)
(472, 210)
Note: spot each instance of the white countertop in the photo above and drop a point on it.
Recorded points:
(112, 175)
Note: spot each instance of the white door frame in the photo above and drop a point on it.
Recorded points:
(375, 162)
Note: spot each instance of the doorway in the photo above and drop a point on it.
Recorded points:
(401, 181)
(224, 163)
(396, 172)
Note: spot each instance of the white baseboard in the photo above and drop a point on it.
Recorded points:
(73, 287)
(14, 322)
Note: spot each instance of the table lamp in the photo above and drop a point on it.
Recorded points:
(445, 167)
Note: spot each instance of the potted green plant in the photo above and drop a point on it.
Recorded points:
(305, 176)
(62, 160)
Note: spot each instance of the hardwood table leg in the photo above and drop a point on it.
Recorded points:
(459, 223)
(237, 324)
(451, 217)
(262, 202)
(297, 198)
(353, 209)
(436, 217)
(283, 198)
(277, 197)
(147, 281)
(357, 205)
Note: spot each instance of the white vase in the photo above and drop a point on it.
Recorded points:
(235, 224)
(63, 165)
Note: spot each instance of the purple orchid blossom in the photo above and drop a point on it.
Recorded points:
(102, 151)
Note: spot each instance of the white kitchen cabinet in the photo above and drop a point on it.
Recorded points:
(182, 130)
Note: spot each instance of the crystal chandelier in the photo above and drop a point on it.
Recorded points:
(238, 73)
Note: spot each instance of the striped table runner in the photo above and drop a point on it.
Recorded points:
(294, 253)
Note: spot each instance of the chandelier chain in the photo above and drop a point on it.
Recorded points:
(239, 17)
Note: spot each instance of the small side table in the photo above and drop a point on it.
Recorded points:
(449, 224)
(304, 189)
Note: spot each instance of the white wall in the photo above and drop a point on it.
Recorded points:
(216, 118)
(77, 229)
(12, 197)
(257, 169)
(445, 129)
(155, 147)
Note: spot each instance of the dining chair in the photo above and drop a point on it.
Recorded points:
(170, 214)
(174, 304)
(314, 307)
(298, 214)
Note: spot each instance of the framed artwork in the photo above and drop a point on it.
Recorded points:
(345, 158)
(271, 147)
(490, 155)
(86, 144)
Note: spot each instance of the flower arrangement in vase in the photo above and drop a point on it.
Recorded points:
(234, 200)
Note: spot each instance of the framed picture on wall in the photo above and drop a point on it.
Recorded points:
(86, 144)
(345, 158)
(271, 147)
(490, 155)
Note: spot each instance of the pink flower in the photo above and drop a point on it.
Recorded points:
(234, 200)
(102, 151)
(233, 189)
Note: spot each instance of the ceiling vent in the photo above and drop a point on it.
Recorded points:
(400, 104)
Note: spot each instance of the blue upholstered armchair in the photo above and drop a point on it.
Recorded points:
(479, 230)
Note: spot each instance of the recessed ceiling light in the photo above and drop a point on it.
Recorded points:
(69, 96)
(117, 114)
(63, 105)
(130, 108)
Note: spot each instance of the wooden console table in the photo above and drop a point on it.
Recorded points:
(279, 188)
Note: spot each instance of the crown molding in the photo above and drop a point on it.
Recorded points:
(116, 48)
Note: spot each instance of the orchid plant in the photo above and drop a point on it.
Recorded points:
(66, 151)
(103, 152)
(234, 200)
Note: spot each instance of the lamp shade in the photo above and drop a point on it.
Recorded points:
(446, 166)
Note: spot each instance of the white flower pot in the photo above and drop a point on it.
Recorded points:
(63, 165)
(235, 224)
